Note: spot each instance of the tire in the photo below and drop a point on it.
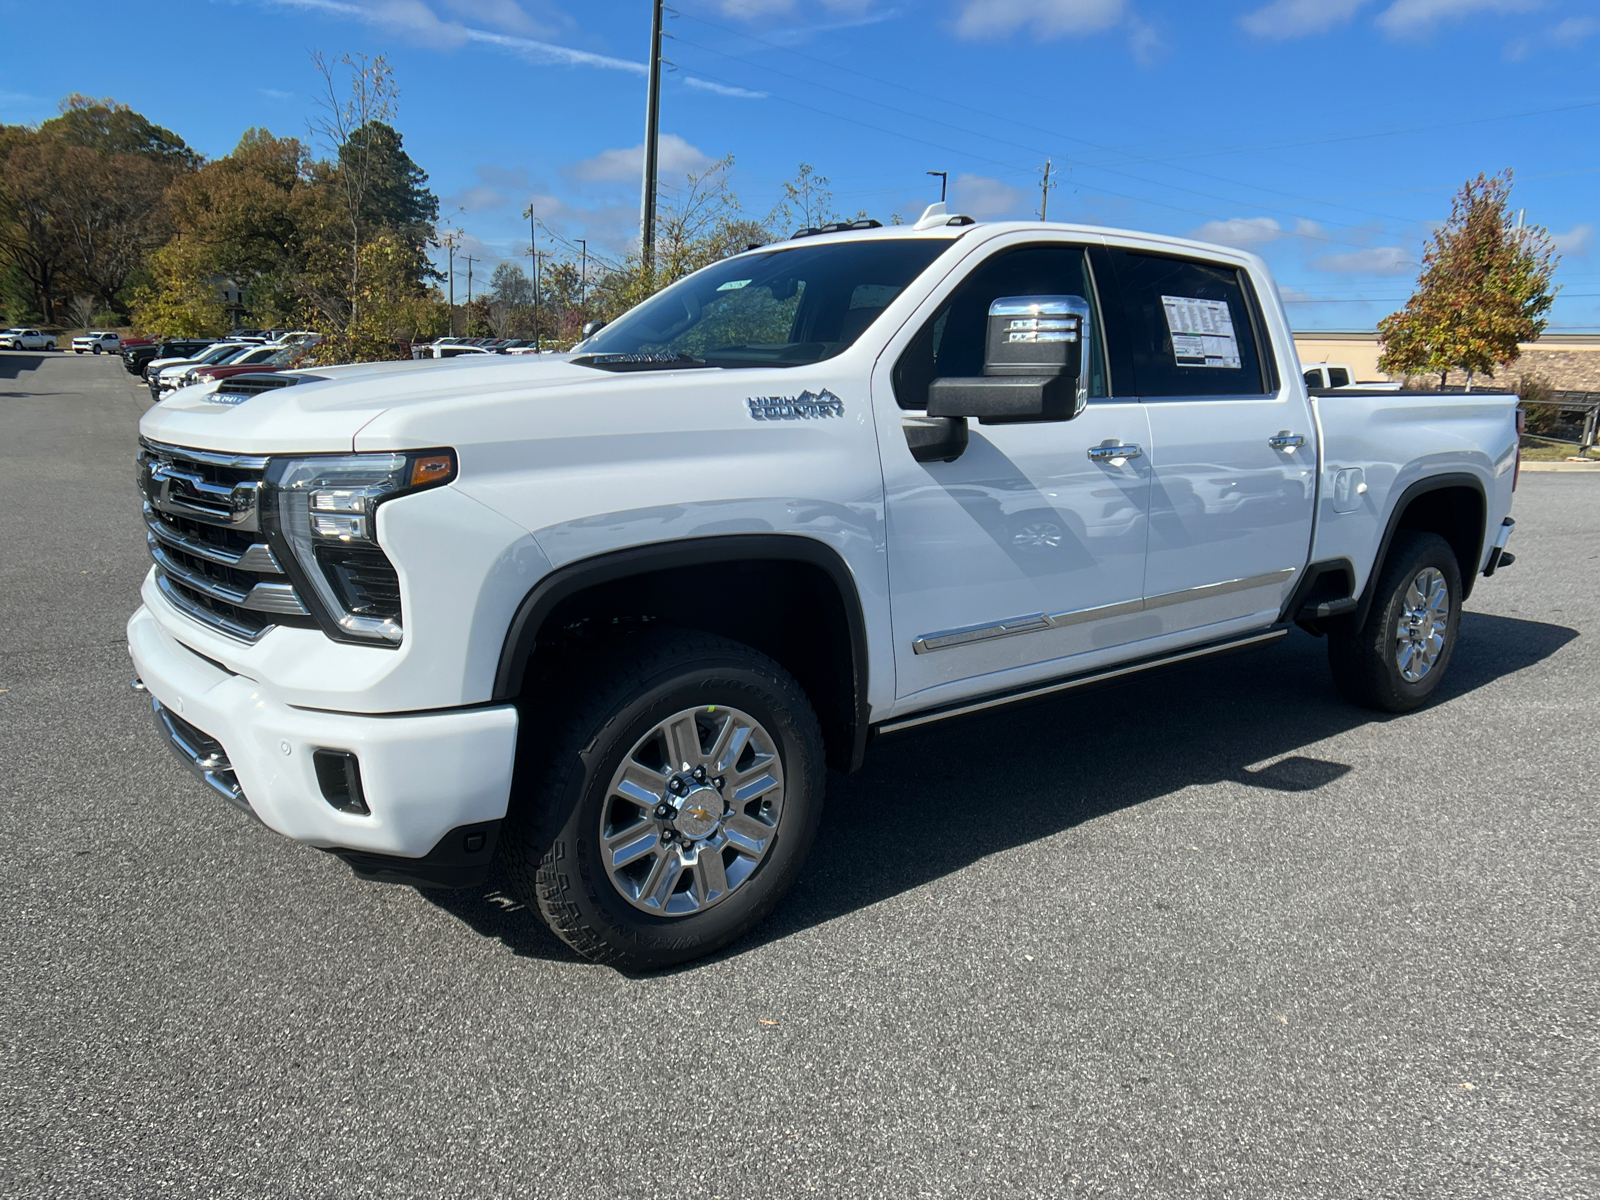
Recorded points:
(1367, 664)
(658, 908)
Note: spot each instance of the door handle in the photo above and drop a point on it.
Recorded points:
(1286, 441)
(1115, 455)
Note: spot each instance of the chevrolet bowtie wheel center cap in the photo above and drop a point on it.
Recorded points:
(699, 813)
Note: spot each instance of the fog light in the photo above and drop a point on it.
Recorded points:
(339, 777)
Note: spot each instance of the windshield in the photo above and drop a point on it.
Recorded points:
(220, 354)
(780, 309)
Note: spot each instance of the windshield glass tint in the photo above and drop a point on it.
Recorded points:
(782, 309)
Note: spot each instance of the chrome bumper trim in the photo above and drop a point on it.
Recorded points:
(209, 764)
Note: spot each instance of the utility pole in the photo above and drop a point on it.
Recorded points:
(449, 240)
(533, 253)
(583, 273)
(1044, 191)
(944, 179)
(469, 261)
(652, 135)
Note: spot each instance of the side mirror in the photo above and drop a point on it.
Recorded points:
(590, 328)
(1032, 365)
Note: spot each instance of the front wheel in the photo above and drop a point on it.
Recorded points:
(1398, 658)
(670, 805)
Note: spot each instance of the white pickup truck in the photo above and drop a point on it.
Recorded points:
(97, 341)
(607, 617)
(18, 338)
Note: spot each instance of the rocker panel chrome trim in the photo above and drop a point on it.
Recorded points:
(1037, 622)
(959, 710)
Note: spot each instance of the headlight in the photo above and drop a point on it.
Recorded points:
(322, 514)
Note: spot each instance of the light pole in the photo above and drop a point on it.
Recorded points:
(449, 240)
(944, 179)
(652, 131)
(469, 261)
(583, 274)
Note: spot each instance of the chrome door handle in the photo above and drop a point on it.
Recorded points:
(1286, 441)
(1115, 455)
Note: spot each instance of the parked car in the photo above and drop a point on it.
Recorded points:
(168, 376)
(1327, 377)
(26, 339)
(97, 342)
(129, 346)
(262, 360)
(164, 352)
(608, 618)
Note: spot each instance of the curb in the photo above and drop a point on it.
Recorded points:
(1582, 468)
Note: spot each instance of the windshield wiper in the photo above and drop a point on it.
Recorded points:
(638, 362)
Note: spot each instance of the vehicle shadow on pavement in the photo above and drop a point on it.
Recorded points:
(12, 364)
(931, 803)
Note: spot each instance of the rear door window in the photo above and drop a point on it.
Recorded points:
(1193, 326)
(1338, 377)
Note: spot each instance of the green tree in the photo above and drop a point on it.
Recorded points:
(1485, 288)
(113, 128)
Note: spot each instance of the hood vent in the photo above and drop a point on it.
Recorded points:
(254, 385)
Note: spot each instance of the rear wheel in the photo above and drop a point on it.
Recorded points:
(671, 804)
(1398, 658)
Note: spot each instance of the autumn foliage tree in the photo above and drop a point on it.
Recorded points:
(1485, 288)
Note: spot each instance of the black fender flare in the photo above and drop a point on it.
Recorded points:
(564, 582)
(1429, 483)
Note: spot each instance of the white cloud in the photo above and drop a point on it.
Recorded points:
(722, 89)
(1374, 260)
(1244, 232)
(1563, 35)
(982, 197)
(1145, 41)
(1410, 18)
(1043, 18)
(751, 9)
(417, 19)
(507, 14)
(1298, 18)
(626, 165)
(1576, 242)
(476, 199)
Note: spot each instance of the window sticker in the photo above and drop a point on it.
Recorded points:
(1202, 332)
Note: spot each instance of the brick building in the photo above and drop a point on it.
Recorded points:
(1568, 362)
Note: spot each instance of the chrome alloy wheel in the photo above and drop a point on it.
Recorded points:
(692, 811)
(1419, 632)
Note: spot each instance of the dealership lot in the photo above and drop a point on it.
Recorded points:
(1207, 933)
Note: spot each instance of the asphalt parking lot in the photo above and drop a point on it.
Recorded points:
(1208, 934)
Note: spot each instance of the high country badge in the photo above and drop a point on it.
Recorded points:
(804, 407)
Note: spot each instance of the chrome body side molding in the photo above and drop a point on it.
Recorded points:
(915, 720)
(950, 638)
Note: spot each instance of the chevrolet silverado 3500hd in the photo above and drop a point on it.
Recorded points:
(609, 616)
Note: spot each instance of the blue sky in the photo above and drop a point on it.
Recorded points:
(1328, 135)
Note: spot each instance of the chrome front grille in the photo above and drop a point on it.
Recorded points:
(203, 528)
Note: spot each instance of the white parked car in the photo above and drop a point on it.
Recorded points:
(26, 339)
(166, 375)
(608, 617)
(1327, 377)
(97, 342)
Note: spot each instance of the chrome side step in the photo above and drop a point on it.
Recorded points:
(1034, 691)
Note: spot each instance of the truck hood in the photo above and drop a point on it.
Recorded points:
(328, 406)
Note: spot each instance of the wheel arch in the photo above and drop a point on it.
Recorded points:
(796, 601)
(1454, 506)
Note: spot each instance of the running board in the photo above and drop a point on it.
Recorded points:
(1064, 685)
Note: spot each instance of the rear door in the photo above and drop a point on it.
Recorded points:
(1233, 445)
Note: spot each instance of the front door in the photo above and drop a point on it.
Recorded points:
(1025, 550)
(1234, 448)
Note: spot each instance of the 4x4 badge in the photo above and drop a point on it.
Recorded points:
(804, 407)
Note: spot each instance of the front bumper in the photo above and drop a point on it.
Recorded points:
(424, 775)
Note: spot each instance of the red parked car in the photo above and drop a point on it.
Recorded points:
(283, 360)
